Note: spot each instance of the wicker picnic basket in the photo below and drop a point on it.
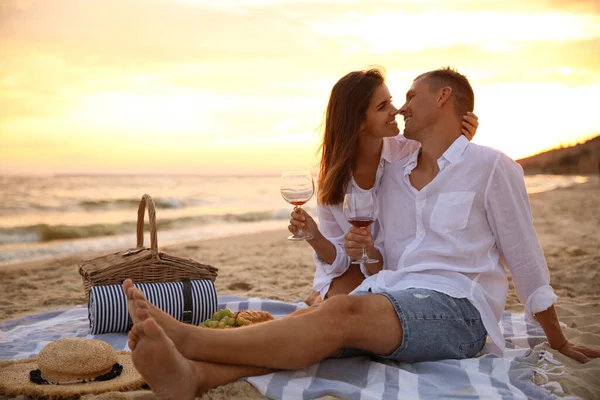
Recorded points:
(142, 264)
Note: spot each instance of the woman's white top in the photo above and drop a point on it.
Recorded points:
(333, 225)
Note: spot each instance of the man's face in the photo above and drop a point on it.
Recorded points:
(419, 110)
(380, 119)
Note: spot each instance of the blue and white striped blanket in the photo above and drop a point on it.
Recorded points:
(353, 378)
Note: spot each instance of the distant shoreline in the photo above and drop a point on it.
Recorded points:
(581, 159)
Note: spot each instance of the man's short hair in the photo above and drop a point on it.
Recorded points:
(464, 98)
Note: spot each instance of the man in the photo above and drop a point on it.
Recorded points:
(468, 218)
(442, 287)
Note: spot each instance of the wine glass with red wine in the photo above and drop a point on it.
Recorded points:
(297, 188)
(359, 210)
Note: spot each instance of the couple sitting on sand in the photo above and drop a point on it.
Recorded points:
(452, 214)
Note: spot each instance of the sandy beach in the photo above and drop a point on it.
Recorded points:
(266, 265)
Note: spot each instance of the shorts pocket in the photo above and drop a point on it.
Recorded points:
(451, 211)
(470, 350)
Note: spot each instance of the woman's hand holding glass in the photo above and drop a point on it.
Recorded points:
(297, 188)
(360, 209)
(357, 239)
(301, 220)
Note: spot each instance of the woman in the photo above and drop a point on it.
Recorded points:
(361, 136)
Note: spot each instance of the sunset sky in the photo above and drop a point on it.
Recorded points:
(232, 86)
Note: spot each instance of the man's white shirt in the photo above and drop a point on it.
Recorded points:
(458, 233)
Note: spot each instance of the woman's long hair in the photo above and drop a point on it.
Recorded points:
(346, 110)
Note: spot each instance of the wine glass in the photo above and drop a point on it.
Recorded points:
(297, 188)
(360, 209)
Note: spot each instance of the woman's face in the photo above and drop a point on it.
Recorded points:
(380, 119)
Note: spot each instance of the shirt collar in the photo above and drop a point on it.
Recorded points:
(411, 161)
(454, 153)
(386, 151)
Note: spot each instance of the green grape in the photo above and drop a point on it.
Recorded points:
(213, 324)
(228, 312)
(225, 319)
(231, 322)
(218, 315)
(222, 325)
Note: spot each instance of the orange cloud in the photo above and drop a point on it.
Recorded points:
(592, 6)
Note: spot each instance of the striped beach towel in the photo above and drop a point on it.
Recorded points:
(489, 377)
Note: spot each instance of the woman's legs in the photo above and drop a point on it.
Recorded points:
(343, 284)
(347, 282)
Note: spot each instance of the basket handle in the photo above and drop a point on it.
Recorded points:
(146, 199)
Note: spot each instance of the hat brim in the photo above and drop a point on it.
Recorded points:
(14, 380)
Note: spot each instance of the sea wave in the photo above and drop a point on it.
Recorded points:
(546, 183)
(169, 203)
(47, 233)
(108, 204)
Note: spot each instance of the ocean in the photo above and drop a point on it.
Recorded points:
(46, 216)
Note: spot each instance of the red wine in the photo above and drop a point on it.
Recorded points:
(297, 203)
(361, 222)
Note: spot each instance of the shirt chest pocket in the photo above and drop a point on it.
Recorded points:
(451, 211)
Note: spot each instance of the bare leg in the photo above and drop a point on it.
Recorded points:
(362, 322)
(172, 376)
(301, 311)
(313, 298)
(346, 283)
(140, 309)
(343, 284)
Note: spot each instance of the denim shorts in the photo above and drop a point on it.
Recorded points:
(435, 326)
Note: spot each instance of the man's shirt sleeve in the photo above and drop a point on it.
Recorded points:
(509, 215)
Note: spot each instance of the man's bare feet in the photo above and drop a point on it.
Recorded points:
(141, 309)
(128, 290)
(167, 372)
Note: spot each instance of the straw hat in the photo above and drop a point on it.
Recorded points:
(70, 367)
